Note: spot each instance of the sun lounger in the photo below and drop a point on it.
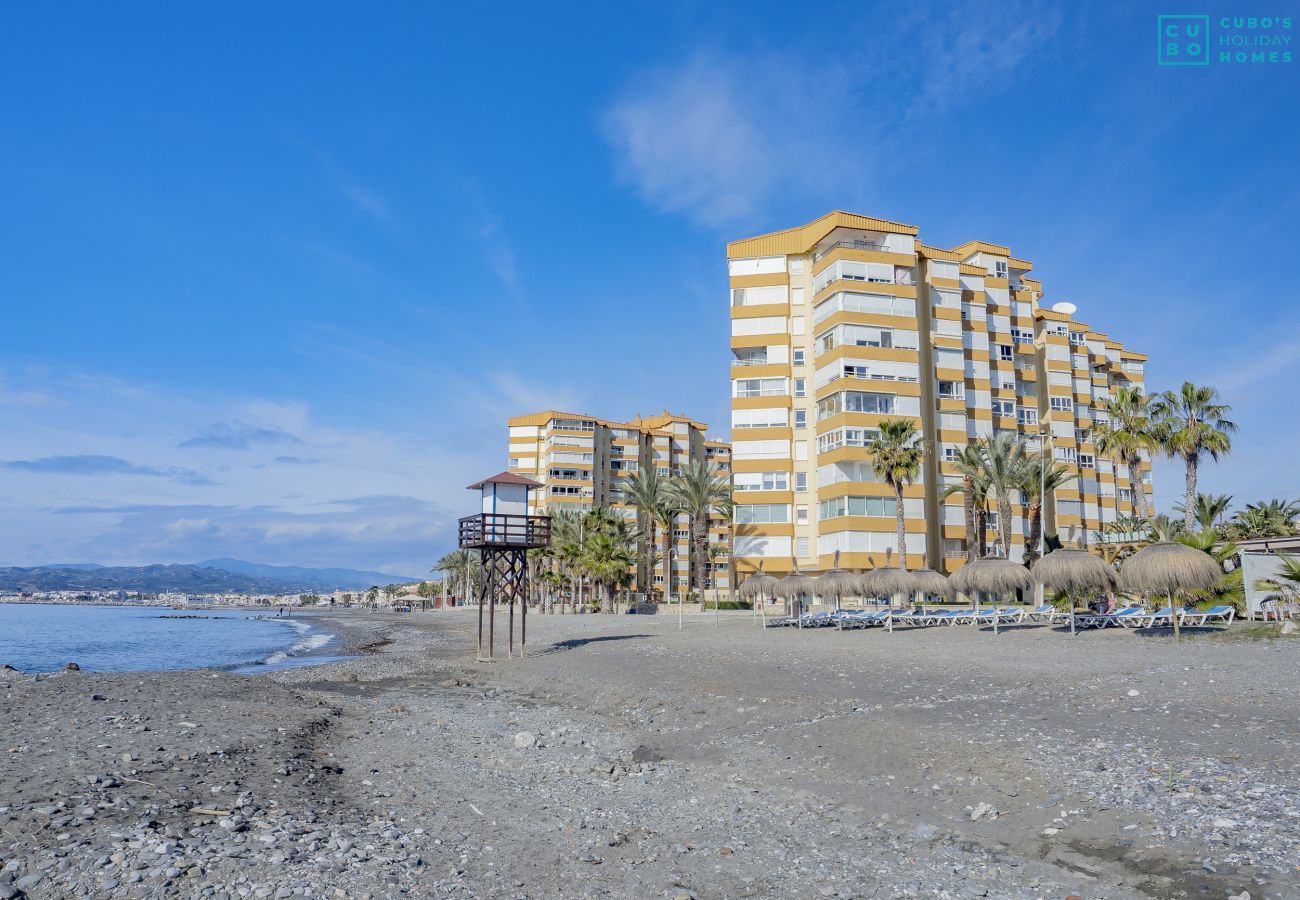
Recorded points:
(1126, 616)
(1151, 620)
(864, 619)
(1223, 614)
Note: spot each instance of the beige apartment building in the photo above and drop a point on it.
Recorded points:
(849, 320)
(582, 462)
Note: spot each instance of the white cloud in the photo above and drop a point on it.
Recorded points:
(722, 136)
(77, 488)
(715, 136)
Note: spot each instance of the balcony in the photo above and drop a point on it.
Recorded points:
(875, 246)
(504, 532)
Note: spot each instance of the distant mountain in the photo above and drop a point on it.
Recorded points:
(335, 579)
(204, 578)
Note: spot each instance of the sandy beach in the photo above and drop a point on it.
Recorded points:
(626, 758)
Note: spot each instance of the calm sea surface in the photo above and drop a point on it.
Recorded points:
(40, 638)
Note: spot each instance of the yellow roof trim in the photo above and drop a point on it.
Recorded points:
(805, 237)
(1022, 264)
(937, 253)
(968, 269)
(971, 247)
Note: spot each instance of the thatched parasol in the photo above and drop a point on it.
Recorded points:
(887, 581)
(928, 581)
(757, 588)
(837, 583)
(1169, 568)
(1074, 570)
(794, 586)
(990, 575)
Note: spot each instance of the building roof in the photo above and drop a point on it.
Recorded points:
(805, 237)
(505, 478)
(970, 248)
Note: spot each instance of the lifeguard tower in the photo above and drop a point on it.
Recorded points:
(503, 533)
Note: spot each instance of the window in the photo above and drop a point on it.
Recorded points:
(1061, 403)
(801, 514)
(1086, 461)
(801, 481)
(801, 387)
(798, 357)
(800, 418)
(1022, 335)
(951, 390)
(762, 481)
(760, 387)
(1066, 454)
(1078, 338)
(999, 268)
(1004, 407)
(762, 513)
(1026, 416)
(1006, 352)
(801, 547)
(856, 506)
(951, 454)
(855, 401)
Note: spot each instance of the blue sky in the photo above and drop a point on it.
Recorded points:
(274, 275)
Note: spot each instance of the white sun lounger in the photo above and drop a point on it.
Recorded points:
(1151, 620)
(1129, 615)
(1223, 614)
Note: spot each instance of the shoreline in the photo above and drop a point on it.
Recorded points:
(306, 641)
(626, 758)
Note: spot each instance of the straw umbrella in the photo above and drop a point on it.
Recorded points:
(757, 588)
(1169, 568)
(928, 581)
(992, 575)
(836, 583)
(1074, 570)
(794, 586)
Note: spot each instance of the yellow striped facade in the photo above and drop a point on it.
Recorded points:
(582, 462)
(849, 320)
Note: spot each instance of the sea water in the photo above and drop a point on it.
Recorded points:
(44, 638)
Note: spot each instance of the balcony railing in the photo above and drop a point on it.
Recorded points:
(750, 361)
(504, 531)
(877, 246)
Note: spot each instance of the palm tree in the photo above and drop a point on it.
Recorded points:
(644, 491)
(1036, 485)
(699, 491)
(1191, 422)
(1208, 510)
(1267, 518)
(566, 544)
(974, 491)
(459, 566)
(896, 456)
(1286, 579)
(1128, 435)
(607, 553)
(1003, 459)
(665, 514)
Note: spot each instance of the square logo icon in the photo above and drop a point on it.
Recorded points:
(1182, 40)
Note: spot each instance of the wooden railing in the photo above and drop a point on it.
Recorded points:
(504, 530)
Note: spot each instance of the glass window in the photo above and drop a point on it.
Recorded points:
(798, 357)
(801, 481)
(800, 387)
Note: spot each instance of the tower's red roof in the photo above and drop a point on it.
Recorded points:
(505, 478)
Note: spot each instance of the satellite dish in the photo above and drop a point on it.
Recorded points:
(1065, 308)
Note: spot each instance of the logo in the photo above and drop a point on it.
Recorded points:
(1183, 41)
(1196, 41)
